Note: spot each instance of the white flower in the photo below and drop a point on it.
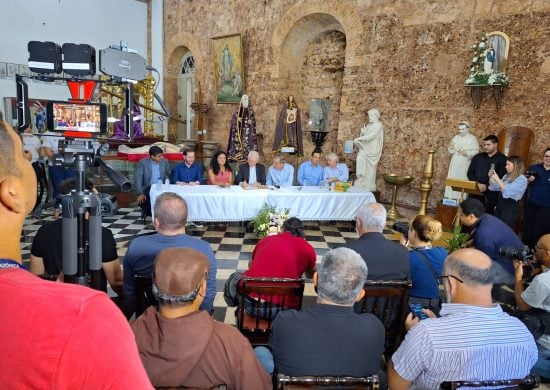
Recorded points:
(482, 45)
(474, 47)
(474, 60)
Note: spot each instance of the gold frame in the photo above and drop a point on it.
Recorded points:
(232, 46)
(504, 59)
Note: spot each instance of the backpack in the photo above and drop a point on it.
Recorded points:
(230, 290)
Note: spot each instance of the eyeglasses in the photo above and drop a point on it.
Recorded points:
(440, 278)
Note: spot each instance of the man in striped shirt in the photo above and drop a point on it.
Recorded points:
(472, 340)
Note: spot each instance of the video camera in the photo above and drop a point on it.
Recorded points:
(402, 227)
(525, 255)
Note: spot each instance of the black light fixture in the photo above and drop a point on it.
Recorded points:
(78, 59)
(44, 57)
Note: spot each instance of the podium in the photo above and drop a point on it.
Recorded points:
(443, 211)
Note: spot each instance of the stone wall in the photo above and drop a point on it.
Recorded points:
(407, 58)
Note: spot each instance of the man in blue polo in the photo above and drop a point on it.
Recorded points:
(189, 172)
(280, 173)
(310, 172)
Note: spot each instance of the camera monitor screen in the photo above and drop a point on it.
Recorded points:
(86, 117)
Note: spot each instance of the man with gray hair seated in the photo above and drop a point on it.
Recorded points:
(330, 338)
(387, 260)
(280, 174)
(473, 340)
(335, 171)
(251, 173)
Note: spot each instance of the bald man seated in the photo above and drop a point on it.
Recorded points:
(473, 340)
(181, 346)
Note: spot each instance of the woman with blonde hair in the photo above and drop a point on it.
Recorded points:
(426, 261)
(512, 186)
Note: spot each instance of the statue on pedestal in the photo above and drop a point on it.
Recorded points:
(288, 132)
(369, 143)
(463, 147)
(242, 133)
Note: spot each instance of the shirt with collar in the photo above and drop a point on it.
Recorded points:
(280, 177)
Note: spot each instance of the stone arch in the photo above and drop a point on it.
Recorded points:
(175, 48)
(308, 18)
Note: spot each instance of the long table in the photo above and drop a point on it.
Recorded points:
(212, 203)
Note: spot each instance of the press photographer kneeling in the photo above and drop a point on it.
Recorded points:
(534, 302)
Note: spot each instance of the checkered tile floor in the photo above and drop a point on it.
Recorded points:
(231, 242)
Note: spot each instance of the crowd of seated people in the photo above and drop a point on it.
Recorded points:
(179, 344)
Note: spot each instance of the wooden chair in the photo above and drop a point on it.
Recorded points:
(326, 382)
(529, 382)
(144, 294)
(255, 327)
(388, 300)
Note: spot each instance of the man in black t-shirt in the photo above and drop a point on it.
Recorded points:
(47, 249)
(480, 166)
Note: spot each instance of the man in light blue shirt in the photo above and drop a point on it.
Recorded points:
(280, 173)
(334, 171)
(310, 172)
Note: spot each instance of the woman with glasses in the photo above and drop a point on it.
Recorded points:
(426, 261)
(512, 186)
(537, 209)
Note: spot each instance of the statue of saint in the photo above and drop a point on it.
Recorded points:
(369, 143)
(463, 147)
(489, 60)
(288, 132)
(242, 133)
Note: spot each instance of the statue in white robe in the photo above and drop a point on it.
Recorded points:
(369, 144)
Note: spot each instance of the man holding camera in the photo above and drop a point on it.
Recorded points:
(537, 209)
(472, 340)
(537, 296)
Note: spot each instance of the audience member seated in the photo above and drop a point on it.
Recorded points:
(426, 261)
(537, 296)
(219, 172)
(329, 338)
(335, 171)
(170, 218)
(512, 186)
(387, 260)
(150, 170)
(251, 173)
(54, 335)
(47, 248)
(472, 340)
(280, 174)
(182, 346)
(489, 234)
(537, 209)
(284, 255)
(188, 172)
(310, 173)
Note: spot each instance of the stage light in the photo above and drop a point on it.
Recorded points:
(44, 57)
(78, 59)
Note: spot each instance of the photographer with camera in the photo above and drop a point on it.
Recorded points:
(537, 296)
(425, 260)
(537, 208)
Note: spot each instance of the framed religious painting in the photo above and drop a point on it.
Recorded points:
(228, 66)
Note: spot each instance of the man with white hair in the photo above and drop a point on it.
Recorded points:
(251, 173)
(280, 173)
(387, 260)
(329, 338)
(335, 171)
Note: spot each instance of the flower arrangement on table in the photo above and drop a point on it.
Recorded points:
(269, 221)
(478, 74)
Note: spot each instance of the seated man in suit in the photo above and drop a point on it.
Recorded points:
(251, 173)
(329, 338)
(387, 260)
(189, 172)
(179, 344)
(150, 170)
(280, 173)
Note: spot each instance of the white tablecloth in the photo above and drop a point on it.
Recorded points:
(213, 203)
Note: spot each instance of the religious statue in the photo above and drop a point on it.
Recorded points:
(121, 133)
(463, 147)
(369, 143)
(489, 60)
(288, 132)
(242, 133)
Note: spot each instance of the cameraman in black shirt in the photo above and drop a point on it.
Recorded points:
(480, 166)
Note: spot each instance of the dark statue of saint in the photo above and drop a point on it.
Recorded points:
(242, 134)
(288, 132)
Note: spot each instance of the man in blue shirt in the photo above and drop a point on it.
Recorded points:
(189, 172)
(310, 172)
(335, 171)
(280, 173)
(170, 218)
